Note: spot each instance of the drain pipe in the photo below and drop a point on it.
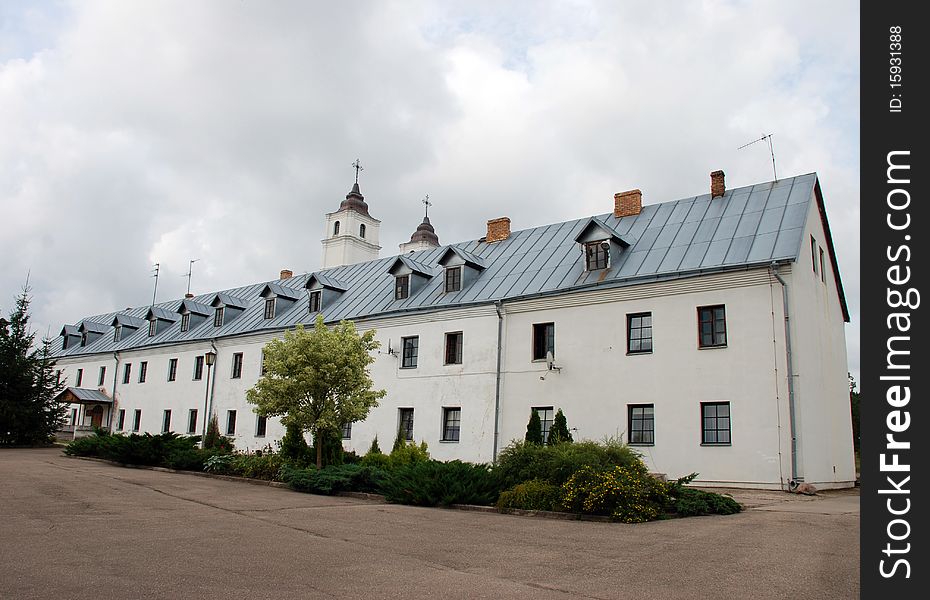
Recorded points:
(791, 399)
(498, 306)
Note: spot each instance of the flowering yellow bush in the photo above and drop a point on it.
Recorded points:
(624, 493)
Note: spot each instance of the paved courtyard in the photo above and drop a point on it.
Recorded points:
(74, 529)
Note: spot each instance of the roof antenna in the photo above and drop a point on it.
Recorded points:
(190, 269)
(155, 275)
(768, 137)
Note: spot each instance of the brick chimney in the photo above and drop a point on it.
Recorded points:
(717, 187)
(286, 274)
(627, 204)
(188, 295)
(498, 230)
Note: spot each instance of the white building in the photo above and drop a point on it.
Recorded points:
(708, 332)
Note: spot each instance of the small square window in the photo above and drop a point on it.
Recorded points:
(543, 340)
(596, 255)
(402, 287)
(315, 297)
(172, 369)
(406, 422)
(454, 348)
(712, 326)
(410, 352)
(453, 279)
(230, 422)
(715, 423)
(641, 424)
(639, 333)
(451, 424)
(237, 365)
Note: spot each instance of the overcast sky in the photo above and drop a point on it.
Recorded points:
(140, 132)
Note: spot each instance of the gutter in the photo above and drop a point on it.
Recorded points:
(498, 306)
(795, 480)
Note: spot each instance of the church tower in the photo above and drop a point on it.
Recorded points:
(424, 237)
(351, 234)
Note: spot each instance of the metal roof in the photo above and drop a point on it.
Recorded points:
(279, 290)
(123, 319)
(194, 307)
(85, 395)
(326, 281)
(748, 226)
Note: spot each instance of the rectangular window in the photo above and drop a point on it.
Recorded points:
(218, 317)
(402, 287)
(453, 279)
(411, 349)
(102, 376)
(153, 327)
(136, 420)
(406, 422)
(121, 419)
(454, 348)
(347, 431)
(73, 416)
(198, 368)
(263, 369)
(596, 255)
(166, 421)
(543, 340)
(261, 425)
(237, 365)
(172, 369)
(80, 377)
(143, 368)
(230, 422)
(192, 421)
(715, 423)
(823, 272)
(185, 321)
(316, 298)
(814, 254)
(127, 372)
(117, 332)
(451, 424)
(269, 308)
(639, 333)
(712, 328)
(546, 416)
(641, 424)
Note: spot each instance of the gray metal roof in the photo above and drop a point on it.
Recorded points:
(752, 225)
(194, 307)
(124, 319)
(161, 312)
(326, 281)
(280, 290)
(86, 395)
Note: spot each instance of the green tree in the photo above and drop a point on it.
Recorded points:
(29, 385)
(318, 379)
(400, 440)
(854, 409)
(559, 432)
(294, 446)
(375, 448)
(534, 429)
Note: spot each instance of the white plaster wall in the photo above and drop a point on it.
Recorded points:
(347, 247)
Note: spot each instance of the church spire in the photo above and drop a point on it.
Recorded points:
(425, 236)
(354, 199)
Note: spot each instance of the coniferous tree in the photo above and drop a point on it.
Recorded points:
(559, 432)
(401, 440)
(534, 429)
(375, 448)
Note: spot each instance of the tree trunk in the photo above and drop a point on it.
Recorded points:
(319, 451)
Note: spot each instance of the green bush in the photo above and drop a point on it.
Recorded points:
(377, 460)
(531, 495)
(92, 445)
(408, 454)
(334, 479)
(294, 448)
(432, 483)
(257, 466)
(555, 464)
(690, 502)
(559, 433)
(534, 429)
(628, 493)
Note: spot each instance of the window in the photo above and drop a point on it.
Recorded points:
(269, 308)
(347, 429)
(153, 327)
(543, 340)
(453, 279)
(261, 425)
(230, 422)
(102, 376)
(117, 331)
(84, 339)
(639, 333)
(596, 255)
(185, 321)
(121, 419)
(411, 348)
(237, 365)
(198, 368)
(814, 254)
(143, 368)
(263, 368)
(715, 423)
(218, 317)
(127, 373)
(166, 421)
(73, 416)
(58, 377)
(402, 287)
(641, 425)
(336, 228)
(545, 419)
(172, 369)
(406, 422)
(80, 377)
(454, 348)
(137, 420)
(315, 298)
(823, 273)
(192, 421)
(451, 424)
(361, 231)
(713, 326)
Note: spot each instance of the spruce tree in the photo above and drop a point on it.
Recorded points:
(375, 448)
(534, 429)
(401, 440)
(559, 432)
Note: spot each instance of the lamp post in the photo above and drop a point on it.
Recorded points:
(209, 358)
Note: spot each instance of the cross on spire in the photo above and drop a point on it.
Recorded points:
(427, 203)
(358, 167)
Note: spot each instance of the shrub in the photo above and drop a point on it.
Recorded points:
(691, 502)
(332, 447)
(334, 479)
(221, 464)
(534, 429)
(407, 454)
(531, 495)
(91, 445)
(257, 466)
(163, 450)
(628, 494)
(294, 448)
(523, 461)
(375, 448)
(377, 460)
(400, 440)
(432, 483)
(559, 433)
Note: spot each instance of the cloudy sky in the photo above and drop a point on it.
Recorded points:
(140, 132)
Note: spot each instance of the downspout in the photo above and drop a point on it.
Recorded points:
(791, 399)
(115, 381)
(498, 306)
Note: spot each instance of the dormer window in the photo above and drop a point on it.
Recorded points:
(153, 324)
(117, 332)
(84, 339)
(218, 317)
(596, 255)
(453, 279)
(336, 228)
(361, 231)
(401, 287)
(269, 308)
(316, 298)
(185, 321)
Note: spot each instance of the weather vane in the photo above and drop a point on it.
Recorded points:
(358, 167)
(427, 203)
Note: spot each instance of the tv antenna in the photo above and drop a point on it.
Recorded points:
(155, 275)
(766, 137)
(190, 269)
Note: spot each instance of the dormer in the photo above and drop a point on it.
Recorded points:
(91, 332)
(159, 320)
(323, 291)
(193, 313)
(226, 308)
(600, 245)
(409, 276)
(278, 299)
(125, 325)
(461, 269)
(70, 336)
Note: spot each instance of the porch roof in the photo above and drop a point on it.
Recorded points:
(83, 396)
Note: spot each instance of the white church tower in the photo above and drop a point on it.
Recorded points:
(351, 234)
